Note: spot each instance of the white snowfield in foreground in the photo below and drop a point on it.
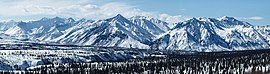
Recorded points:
(23, 59)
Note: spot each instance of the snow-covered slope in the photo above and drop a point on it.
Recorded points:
(6, 25)
(44, 29)
(112, 32)
(154, 26)
(196, 34)
(264, 31)
(8, 39)
(23, 59)
(209, 34)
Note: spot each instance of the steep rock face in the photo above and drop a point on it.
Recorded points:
(209, 34)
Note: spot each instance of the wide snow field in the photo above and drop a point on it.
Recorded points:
(23, 59)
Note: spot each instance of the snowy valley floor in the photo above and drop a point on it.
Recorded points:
(111, 60)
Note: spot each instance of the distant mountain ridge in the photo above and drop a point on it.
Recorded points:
(197, 34)
(209, 34)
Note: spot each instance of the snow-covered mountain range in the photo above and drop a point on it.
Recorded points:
(196, 34)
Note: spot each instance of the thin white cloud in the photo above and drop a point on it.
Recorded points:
(182, 9)
(254, 18)
(77, 9)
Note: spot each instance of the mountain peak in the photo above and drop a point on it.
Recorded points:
(224, 21)
(233, 21)
(11, 21)
(57, 18)
(193, 20)
(227, 18)
(44, 18)
(54, 18)
(70, 19)
(117, 17)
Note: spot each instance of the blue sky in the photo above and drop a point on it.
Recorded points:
(254, 11)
